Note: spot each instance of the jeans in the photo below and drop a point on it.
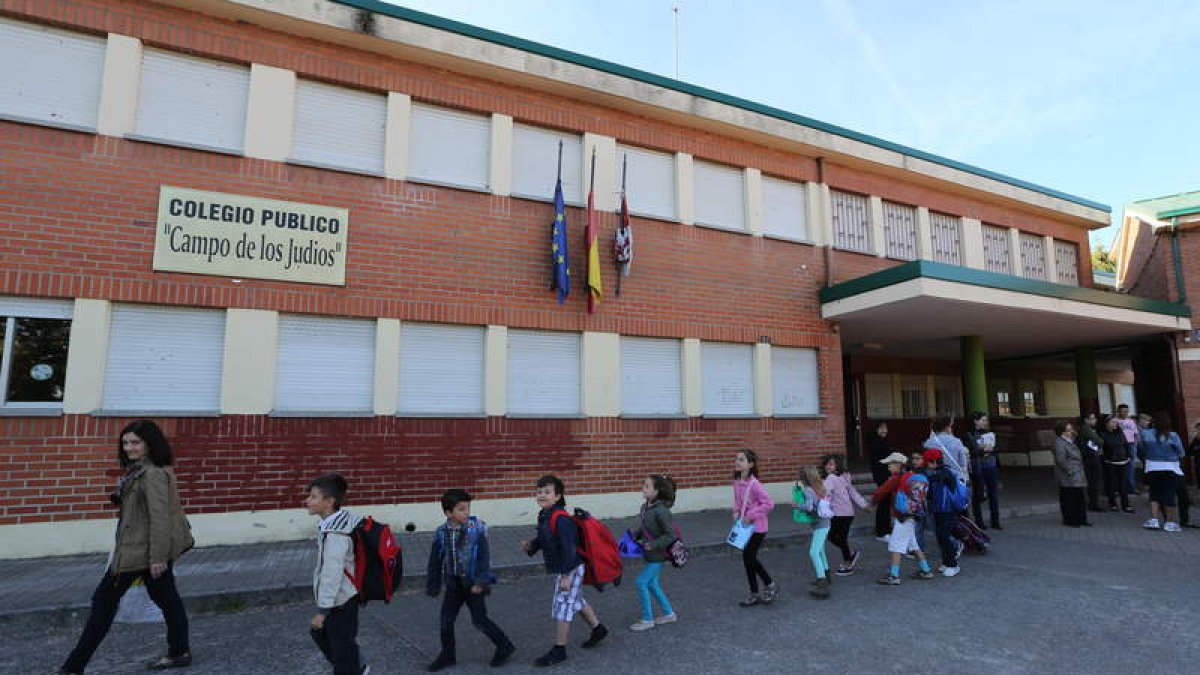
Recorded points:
(987, 479)
(458, 593)
(107, 598)
(919, 531)
(338, 639)
(754, 568)
(647, 584)
(1130, 469)
(816, 553)
(944, 522)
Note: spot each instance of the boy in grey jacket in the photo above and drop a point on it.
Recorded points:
(335, 625)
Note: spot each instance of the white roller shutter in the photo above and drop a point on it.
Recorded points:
(36, 308)
(543, 373)
(649, 181)
(794, 381)
(1105, 395)
(164, 359)
(728, 378)
(535, 163)
(325, 365)
(441, 369)
(720, 196)
(785, 208)
(449, 147)
(651, 376)
(339, 128)
(191, 101)
(50, 76)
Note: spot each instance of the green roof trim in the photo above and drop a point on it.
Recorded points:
(1176, 213)
(929, 269)
(467, 30)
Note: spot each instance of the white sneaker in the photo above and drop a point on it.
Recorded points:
(883, 538)
(1151, 524)
(1172, 527)
(642, 625)
(951, 571)
(666, 618)
(941, 568)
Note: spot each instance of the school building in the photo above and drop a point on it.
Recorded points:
(310, 235)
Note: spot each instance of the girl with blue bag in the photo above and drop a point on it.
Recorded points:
(751, 506)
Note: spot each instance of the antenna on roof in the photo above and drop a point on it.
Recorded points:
(675, 14)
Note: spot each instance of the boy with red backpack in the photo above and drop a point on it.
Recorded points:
(558, 539)
(335, 625)
(909, 490)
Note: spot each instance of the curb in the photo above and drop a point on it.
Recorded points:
(228, 601)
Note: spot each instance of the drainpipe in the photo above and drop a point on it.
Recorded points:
(1180, 287)
(828, 244)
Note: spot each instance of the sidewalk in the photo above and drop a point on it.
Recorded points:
(230, 577)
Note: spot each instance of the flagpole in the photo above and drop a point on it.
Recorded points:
(560, 146)
(621, 225)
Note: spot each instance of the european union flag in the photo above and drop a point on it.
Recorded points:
(561, 278)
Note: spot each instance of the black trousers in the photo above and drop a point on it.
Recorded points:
(107, 598)
(986, 481)
(1073, 502)
(754, 568)
(1093, 468)
(1116, 484)
(1183, 500)
(839, 535)
(883, 517)
(338, 639)
(946, 542)
(458, 593)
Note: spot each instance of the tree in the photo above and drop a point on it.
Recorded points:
(1102, 259)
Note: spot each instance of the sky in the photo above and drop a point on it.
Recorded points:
(1097, 99)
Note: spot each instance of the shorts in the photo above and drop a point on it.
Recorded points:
(567, 603)
(1162, 487)
(904, 536)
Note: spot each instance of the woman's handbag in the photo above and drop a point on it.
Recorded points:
(739, 534)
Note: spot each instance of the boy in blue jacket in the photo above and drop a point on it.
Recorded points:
(459, 561)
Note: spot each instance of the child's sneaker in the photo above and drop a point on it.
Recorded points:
(844, 570)
(889, 580)
(883, 538)
(502, 655)
(598, 633)
(1151, 524)
(768, 594)
(641, 626)
(557, 654)
(752, 599)
(667, 618)
(922, 574)
(441, 663)
(1172, 527)
(951, 571)
(853, 561)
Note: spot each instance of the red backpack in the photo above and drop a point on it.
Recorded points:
(596, 547)
(378, 561)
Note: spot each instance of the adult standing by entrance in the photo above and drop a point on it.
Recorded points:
(1072, 482)
(1091, 446)
(1163, 452)
(985, 469)
(1116, 457)
(1129, 429)
(954, 453)
(152, 533)
(877, 445)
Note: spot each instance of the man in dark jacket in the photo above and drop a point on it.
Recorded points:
(1091, 446)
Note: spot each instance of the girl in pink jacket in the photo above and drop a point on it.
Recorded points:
(844, 496)
(752, 504)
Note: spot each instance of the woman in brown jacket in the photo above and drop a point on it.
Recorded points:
(152, 533)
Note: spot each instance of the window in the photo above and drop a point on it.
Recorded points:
(449, 147)
(1033, 256)
(996, 257)
(785, 209)
(1003, 407)
(900, 230)
(34, 336)
(1030, 398)
(1001, 391)
(325, 365)
(1062, 398)
(947, 395)
(649, 181)
(441, 369)
(1104, 392)
(794, 383)
(720, 196)
(946, 232)
(58, 79)
(851, 225)
(728, 378)
(651, 376)
(339, 128)
(193, 102)
(914, 396)
(1124, 394)
(1066, 262)
(164, 359)
(543, 373)
(879, 396)
(535, 163)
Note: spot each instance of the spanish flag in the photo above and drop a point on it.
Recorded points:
(593, 254)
